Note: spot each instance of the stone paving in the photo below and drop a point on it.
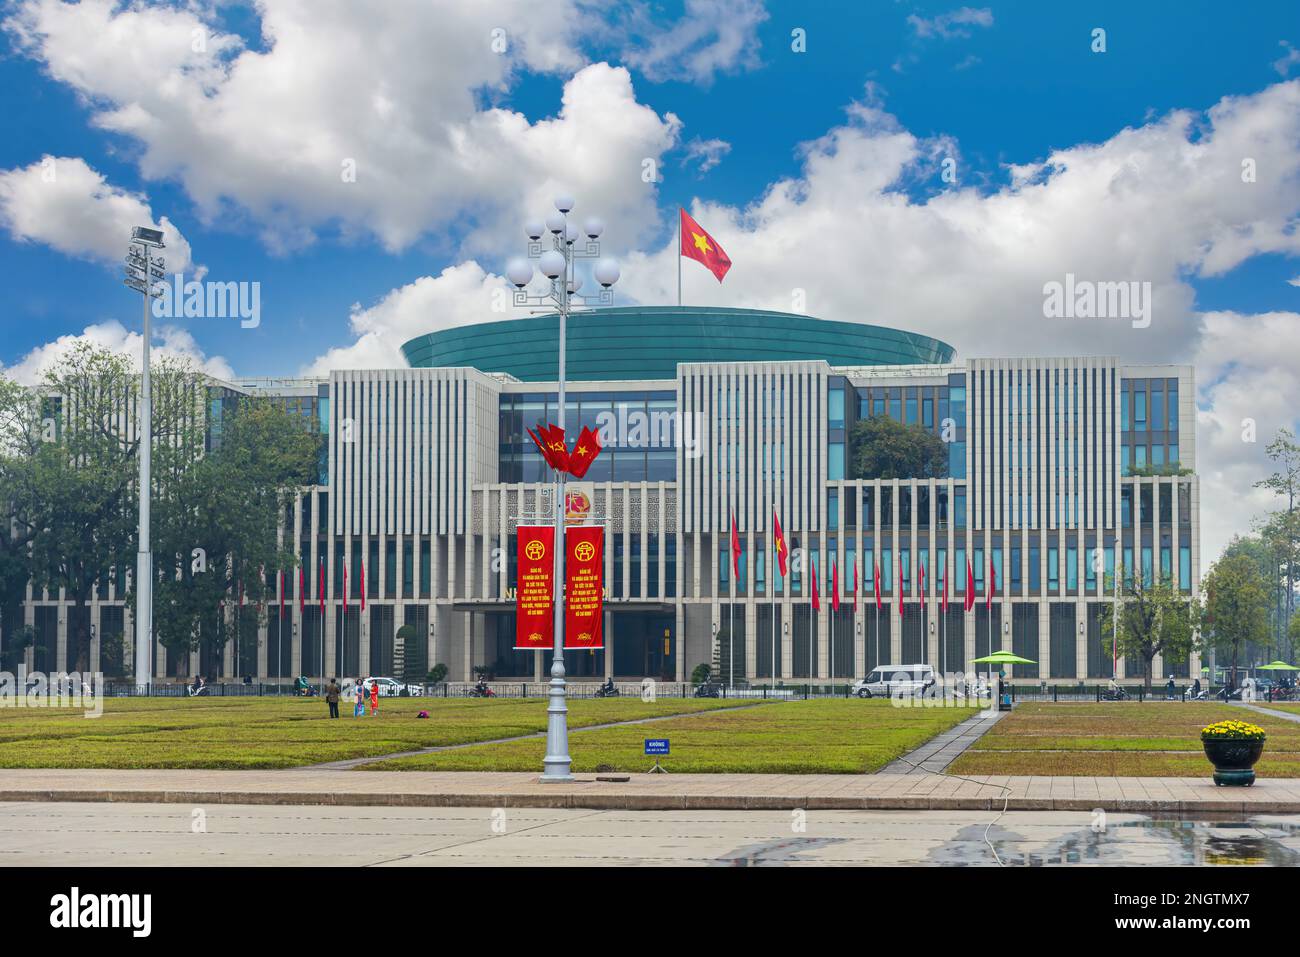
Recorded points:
(1183, 797)
(943, 749)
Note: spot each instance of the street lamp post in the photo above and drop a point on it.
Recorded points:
(557, 265)
(143, 270)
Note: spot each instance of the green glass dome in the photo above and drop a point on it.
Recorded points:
(647, 342)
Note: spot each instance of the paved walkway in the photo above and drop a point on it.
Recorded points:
(943, 749)
(1167, 796)
(1272, 712)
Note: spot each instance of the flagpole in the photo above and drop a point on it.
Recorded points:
(771, 585)
(679, 257)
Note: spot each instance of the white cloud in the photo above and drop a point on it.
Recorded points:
(706, 154)
(461, 295)
(271, 131)
(169, 341)
(1287, 60)
(63, 203)
(955, 23)
(713, 36)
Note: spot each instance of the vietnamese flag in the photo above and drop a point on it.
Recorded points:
(322, 591)
(816, 598)
(835, 586)
(923, 581)
(992, 584)
(875, 580)
(735, 548)
(363, 584)
(703, 248)
(345, 586)
(855, 587)
(970, 587)
(584, 453)
(302, 591)
(558, 456)
(779, 540)
(944, 604)
(280, 579)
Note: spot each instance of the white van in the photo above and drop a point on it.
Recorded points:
(887, 680)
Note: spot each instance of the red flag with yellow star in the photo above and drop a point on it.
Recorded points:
(584, 453)
(703, 248)
(778, 540)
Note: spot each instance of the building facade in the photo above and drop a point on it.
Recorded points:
(1058, 470)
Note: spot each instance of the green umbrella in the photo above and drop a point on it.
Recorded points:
(1002, 658)
(1278, 666)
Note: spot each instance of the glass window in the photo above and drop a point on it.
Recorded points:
(1015, 567)
(1035, 575)
(1123, 411)
(1148, 572)
(1173, 455)
(896, 408)
(1157, 410)
(1157, 454)
(835, 407)
(1125, 458)
(1166, 563)
(835, 460)
(957, 403)
(1053, 568)
(927, 413)
(957, 460)
(886, 570)
(1140, 456)
(959, 509)
(1139, 411)
(959, 571)
(1072, 567)
(911, 410)
(1173, 407)
(833, 508)
(1185, 567)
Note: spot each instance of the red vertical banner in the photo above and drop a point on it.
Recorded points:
(584, 561)
(534, 608)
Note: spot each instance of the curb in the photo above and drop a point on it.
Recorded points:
(663, 802)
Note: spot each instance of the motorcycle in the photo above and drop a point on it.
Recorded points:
(708, 690)
(607, 691)
(482, 691)
(1118, 694)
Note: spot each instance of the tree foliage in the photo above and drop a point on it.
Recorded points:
(1234, 607)
(883, 448)
(1154, 618)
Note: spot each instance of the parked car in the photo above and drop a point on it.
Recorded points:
(887, 680)
(388, 687)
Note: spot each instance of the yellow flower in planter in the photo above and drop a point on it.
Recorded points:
(1232, 730)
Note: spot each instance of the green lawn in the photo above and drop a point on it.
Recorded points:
(1120, 739)
(841, 736)
(284, 732)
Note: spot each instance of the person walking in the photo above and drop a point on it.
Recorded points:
(332, 693)
(1169, 689)
(374, 698)
(360, 708)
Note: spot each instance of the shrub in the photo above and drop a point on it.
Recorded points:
(437, 674)
(701, 674)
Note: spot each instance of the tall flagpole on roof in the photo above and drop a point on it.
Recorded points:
(679, 257)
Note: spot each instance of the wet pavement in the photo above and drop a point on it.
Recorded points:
(65, 834)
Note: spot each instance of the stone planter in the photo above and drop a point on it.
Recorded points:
(1233, 759)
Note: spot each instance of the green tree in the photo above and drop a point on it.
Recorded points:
(218, 523)
(1154, 618)
(74, 498)
(882, 448)
(1234, 608)
(1283, 529)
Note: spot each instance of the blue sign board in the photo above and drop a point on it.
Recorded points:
(656, 745)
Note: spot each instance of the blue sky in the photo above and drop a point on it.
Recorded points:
(1007, 93)
(822, 178)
